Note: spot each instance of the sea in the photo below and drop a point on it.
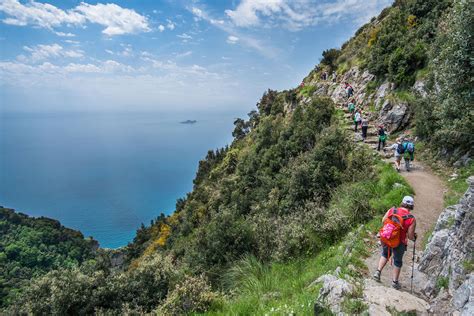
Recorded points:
(104, 173)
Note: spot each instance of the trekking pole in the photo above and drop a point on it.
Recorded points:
(413, 266)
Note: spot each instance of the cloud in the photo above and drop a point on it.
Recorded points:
(185, 36)
(161, 28)
(62, 34)
(42, 52)
(185, 54)
(295, 15)
(248, 41)
(170, 25)
(115, 19)
(232, 39)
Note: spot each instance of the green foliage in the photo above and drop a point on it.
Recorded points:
(192, 295)
(31, 247)
(442, 283)
(307, 90)
(446, 119)
(82, 291)
(330, 56)
(404, 61)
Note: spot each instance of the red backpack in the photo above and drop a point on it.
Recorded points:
(390, 233)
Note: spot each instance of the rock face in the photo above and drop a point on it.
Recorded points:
(333, 292)
(448, 258)
(395, 115)
(391, 112)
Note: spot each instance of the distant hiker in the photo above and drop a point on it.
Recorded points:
(408, 153)
(365, 126)
(398, 226)
(302, 85)
(349, 90)
(357, 119)
(351, 106)
(334, 77)
(398, 152)
(382, 137)
(325, 75)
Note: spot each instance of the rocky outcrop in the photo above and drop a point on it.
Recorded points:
(333, 292)
(394, 115)
(382, 300)
(448, 258)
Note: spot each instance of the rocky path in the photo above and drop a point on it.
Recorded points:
(429, 191)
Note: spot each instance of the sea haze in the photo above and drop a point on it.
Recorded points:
(103, 174)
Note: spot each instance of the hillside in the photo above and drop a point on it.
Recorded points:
(31, 247)
(297, 195)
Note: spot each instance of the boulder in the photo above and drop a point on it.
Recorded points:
(395, 115)
(334, 291)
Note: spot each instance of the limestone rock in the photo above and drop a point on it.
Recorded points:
(420, 88)
(334, 291)
(449, 254)
(381, 299)
(395, 115)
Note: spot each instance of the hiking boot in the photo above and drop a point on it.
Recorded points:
(396, 285)
(376, 276)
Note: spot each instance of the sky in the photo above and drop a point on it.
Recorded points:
(164, 55)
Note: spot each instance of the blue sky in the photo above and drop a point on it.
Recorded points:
(164, 55)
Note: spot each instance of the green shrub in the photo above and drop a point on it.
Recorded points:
(191, 295)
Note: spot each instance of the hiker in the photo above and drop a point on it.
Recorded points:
(393, 235)
(408, 153)
(334, 77)
(398, 152)
(351, 106)
(357, 120)
(349, 90)
(382, 137)
(365, 126)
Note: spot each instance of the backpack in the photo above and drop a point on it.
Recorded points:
(392, 228)
(409, 147)
(400, 149)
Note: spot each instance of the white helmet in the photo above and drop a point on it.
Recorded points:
(408, 200)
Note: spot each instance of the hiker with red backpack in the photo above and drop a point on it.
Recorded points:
(398, 226)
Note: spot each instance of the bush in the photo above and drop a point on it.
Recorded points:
(191, 295)
(330, 56)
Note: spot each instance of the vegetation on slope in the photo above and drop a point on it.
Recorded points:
(30, 247)
(265, 211)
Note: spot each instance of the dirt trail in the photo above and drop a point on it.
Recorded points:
(429, 191)
(429, 202)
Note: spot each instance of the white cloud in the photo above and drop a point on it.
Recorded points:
(231, 39)
(71, 42)
(115, 19)
(185, 54)
(161, 28)
(62, 34)
(170, 25)
(295, 15)
(248, 41)
(42, 52)
(185, 36)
